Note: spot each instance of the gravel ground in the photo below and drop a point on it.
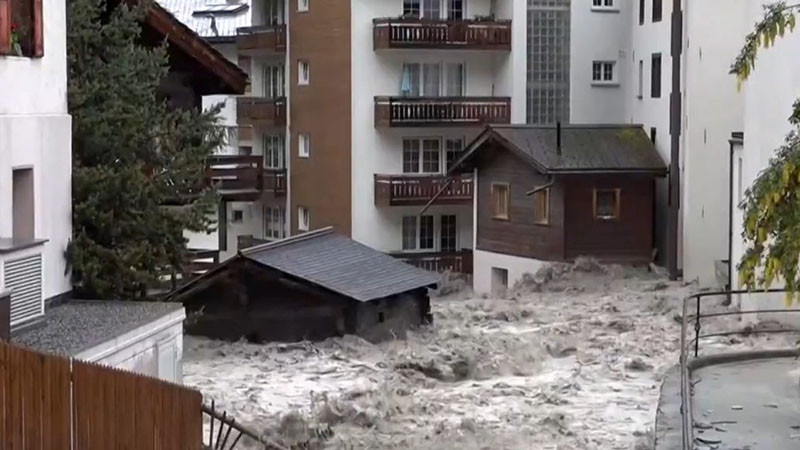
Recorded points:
(572, 359)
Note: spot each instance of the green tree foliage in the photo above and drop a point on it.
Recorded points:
(131, 155)
(772, 204)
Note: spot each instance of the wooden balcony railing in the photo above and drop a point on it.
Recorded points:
(405, 190)
(442, 34)
(263, 39)
(457, 262)
(441, 111)
(261, 111)
(244, 178)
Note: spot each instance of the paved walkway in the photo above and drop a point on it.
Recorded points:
(748, 405)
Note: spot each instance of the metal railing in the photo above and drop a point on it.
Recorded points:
(690, 346)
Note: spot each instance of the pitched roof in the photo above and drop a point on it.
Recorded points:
(210, 19)
(336, 263)
(584, 148)
(232, 79)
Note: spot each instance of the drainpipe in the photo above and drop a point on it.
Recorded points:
(558, 138)
(735, 138)
(675, 142)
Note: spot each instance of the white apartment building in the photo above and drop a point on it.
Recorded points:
(35, 158)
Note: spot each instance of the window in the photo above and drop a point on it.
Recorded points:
(432, 79)
(273, 222)
(22, 33)
(303, 72)
(273, 12)
(455, 9)
(303, 145)
(499, 281)
(273, 81)
(500, 201)
(641, 79)
(603, 72)
(303, 5)
(448, 234)
(421, 155)
(641, 12)
(542, 204)
(245, 63)
(23, 211)
(430, 156)
(606, 204)
(653, 133)
(602, 3)
(237, 216)
(411, 8)
(453, 147)
(431, 9)
(655, 76)
(303, 218)
(418, 233)
(657, 5)
(273, 151)
(245, 150)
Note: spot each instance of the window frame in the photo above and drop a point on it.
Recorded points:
(417, 224)
(603, 5)
(303, 72)
(642, 13)
(658, 11)
(269, 213)
(303, 145)
(641, 80)
(36, 39)
(303, 213)
(617, 203)
(442, 236)
(303, 5)
(605, 68)
(420, 155)
(656, 77)
(497, 215)
(545, 218)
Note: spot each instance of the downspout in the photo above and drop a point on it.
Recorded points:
(730, 224)
(675, 144)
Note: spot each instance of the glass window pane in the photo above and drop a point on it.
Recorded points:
(426, 232)
(430, 156)
(411, 156)
(431, 80)
(455, 80)
(409, 232)
(448, 233)
(431, 9)
(454, 148)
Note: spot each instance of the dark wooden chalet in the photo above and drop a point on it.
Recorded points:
(308, 287)
(554, 193)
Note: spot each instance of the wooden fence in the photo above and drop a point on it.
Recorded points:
(49, 402)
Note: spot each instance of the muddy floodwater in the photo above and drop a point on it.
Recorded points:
(572, 358)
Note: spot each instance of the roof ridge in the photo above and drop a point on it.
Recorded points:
(566, 126)
(287, 241)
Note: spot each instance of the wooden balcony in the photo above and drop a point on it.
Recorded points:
(244, 178)
(442, 34)
(261, 40)
(456, 262)
(441, 111)
(261, 111)
(415, 190)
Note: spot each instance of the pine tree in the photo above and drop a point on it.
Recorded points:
(131, 155)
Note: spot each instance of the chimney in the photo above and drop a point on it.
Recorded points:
(558, 138)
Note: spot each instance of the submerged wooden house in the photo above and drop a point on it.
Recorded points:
(553, 193)
(308, 287)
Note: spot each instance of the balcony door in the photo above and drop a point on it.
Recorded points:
(422, 155)
(434, 9)
(273, 12)
(419, 233)
(432, 80)
(274, 80)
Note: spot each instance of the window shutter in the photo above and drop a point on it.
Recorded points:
(38, 27)
(5, 27)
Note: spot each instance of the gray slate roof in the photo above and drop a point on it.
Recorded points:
(226, 23)
(76, 326)
(342, 265)
(584, 148)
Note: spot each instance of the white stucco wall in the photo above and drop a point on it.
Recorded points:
(768, 97)
(380, 73)
(713, 109)
(35, 132)
(600, 34)
(484, 262)
(154, 349)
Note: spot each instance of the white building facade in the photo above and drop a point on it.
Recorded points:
(35, 161)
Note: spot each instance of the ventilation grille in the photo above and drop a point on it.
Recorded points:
(23, 277)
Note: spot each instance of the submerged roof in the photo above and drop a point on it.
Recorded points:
(584, 148)
(336, 263)
(214, 20)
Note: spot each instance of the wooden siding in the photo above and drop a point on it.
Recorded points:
(442, 34)
(520, 235)
(628, 238)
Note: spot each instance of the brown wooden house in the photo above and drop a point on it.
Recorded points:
(552, 193)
